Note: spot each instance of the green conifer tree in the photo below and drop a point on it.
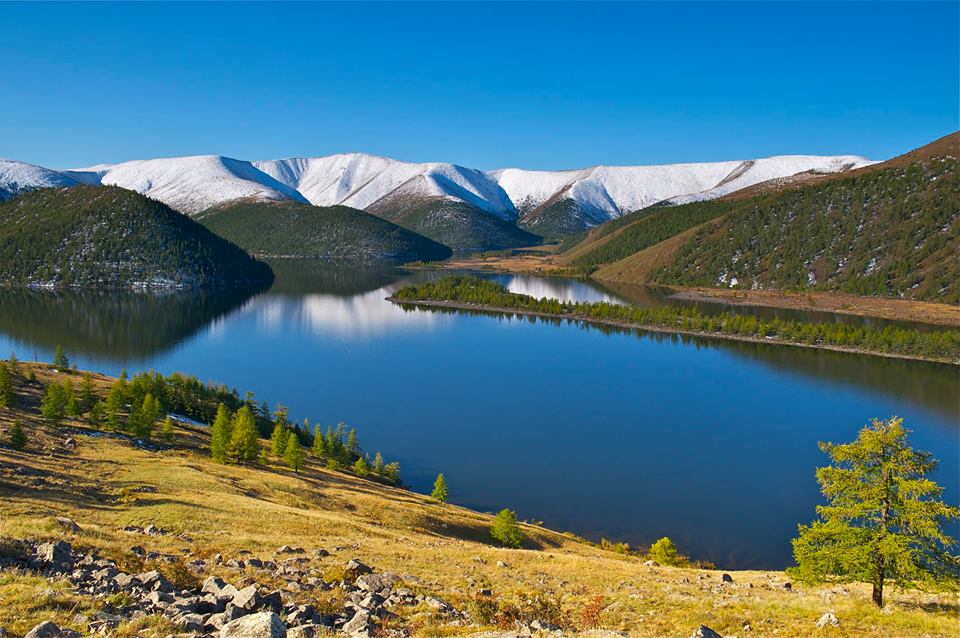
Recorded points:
(60, 360)
(221, 434)
(360, 467)
(166, 430)
(505, 529)
(244, 439)
(293, 454)
(88, 394)
(147, 416)
(377, 467)
(319, 447)
(14, 363)
(53, 406)
(7, 396)
(278, 439)
(440, 492)
(883, 519)
(18, 437)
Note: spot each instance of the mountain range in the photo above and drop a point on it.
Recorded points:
(464, 208)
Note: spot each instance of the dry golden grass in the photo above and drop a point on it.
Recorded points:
(107, 483)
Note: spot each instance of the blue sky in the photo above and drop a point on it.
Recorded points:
(537, 85)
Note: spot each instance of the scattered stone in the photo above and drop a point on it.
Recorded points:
(45, 629)
(357, 568)
(651, 563)
(247, 598)
(828, 620)
(705, 632)
(320, 553)
(359, 626)
(502, 564)
(58, 555)
(727, 578)
(263, 625)
(68, 524)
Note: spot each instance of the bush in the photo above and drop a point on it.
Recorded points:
(505, 529)
(18, 438)
(665, 553)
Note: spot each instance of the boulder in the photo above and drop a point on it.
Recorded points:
(377, 582)
(357, 568)
(248, 598)
(828, 620)
(705, 632)
(263, 625)
(727, 578)
(57, 554)
(68, 524)
(45, 629)
(359, 626)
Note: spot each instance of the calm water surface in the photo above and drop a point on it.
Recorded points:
(623, 435)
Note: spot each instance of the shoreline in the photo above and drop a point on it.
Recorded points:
(502, 310)
(928, 312)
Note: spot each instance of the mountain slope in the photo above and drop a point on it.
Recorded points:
(290, 229)
(20, 177)
(190, 184)
(889, 229)
(111, 237)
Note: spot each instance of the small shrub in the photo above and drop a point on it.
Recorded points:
(18, 437)
(590, 618)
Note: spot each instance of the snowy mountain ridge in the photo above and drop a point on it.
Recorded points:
(194, 184)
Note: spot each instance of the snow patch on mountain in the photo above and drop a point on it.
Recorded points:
(362, 181)
(190, 184)
(20, 177)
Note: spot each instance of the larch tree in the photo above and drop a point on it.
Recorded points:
(440, 492)
(293, 454)
(60, 360)
(244, 439)
(220, 434)
(883, 519)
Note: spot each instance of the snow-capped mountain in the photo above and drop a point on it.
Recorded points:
(20, 177)
(382, 186)
(190, 184)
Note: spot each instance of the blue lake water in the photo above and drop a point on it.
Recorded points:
(617, 434)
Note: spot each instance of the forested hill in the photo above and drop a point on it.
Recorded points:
(893, 231)
(110, 237)
(291, 229)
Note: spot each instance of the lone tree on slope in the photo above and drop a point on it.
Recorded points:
(884, 516)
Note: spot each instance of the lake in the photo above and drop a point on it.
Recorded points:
(625, 435)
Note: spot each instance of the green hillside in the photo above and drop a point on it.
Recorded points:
(461, 226)
(891, 232)
(109, 237)
(290, 229)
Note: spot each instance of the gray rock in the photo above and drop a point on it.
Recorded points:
(359, 626)
(45, 629)
(68, 524)
(377, 582)
(828, 620)
(154, 580)
(263, 625)
(705, 632)
(357, 568)
(58, 554)
(305, 631)
(248, 598)
(651, 563)
(191, 622)
(217, 621)
(727, 578)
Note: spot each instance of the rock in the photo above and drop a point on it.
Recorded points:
(263, 625)
(359, 626)
(271, 600)
(502, 564)
(213, 585)
(651, 563)
(138, 550)
(70, 443)
(44, 630)
(154, 580)
(828, 620)
(377, 582)
(68, 524)
(190, 621)
(217, 621)
(247, 598)
(787, 586)
(320, 553)
(58, 554)
(705, 632)
(357, 568)
(305, 631)
(727, 578)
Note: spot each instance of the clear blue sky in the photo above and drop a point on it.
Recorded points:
(485, 85)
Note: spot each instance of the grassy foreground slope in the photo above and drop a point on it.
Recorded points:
(291, 229)
(107, 483)
(110, 237)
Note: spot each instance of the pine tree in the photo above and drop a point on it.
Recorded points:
(361, 468)
(278, 439)
(53, 406)
(505, 529)
(244, 439)
(14, 363)
(440, 493)
(146, 417)
(319, 447)
(18, 437)
(353, 446)
(377, 467)
(73, 404)
(116, 400)
(883, 518)
(88, 395)
(220, 434)
(7, 396)
(391, 472)
(60, 360)
(166, 430)
(293, 454)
